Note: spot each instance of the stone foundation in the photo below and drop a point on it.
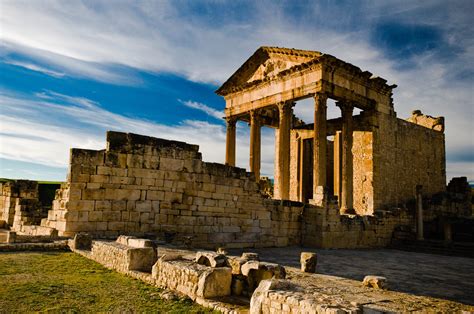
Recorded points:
(123, 258)
(192, 279)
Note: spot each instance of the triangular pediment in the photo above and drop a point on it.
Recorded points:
(266, 63)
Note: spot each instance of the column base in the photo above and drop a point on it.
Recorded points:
(319, 198)
(347, 211)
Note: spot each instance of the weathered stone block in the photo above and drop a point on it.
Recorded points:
(256, 271)
(81, 241)
(141, 259)
(377, 282)
(215, 282)
(211, 259)
(250, 256)
(308, 262)
(11, 237)
(260, 294)
(122, 194)
(171, 164)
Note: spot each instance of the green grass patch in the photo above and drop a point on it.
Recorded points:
(51, 182)
(67, 282)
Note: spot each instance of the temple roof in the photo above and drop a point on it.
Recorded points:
(267, 62)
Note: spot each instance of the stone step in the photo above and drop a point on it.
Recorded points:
(3, 237)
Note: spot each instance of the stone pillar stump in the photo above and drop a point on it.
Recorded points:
(308, 262)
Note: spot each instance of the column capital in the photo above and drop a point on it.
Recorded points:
(345, 106)
(230, 121)
(285, 106)
(320, 97)
(255, 115)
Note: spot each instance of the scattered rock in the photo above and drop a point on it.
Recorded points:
(82, 241)
(221, 250)
(211, 259)
(169, 295)
(215, 282)
(377, 282)
(256, 271)
(308, 262)
(236, 264)
(248, 256)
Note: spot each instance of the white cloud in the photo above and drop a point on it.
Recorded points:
(43, 129)
(154, 36)
(204, 108)
(90, 40)
(37, 68)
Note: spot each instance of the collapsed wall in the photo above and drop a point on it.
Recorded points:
(324, 227)
(24, 203)
(19, 203)
(141, 185)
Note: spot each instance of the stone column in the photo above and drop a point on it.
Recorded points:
(230, 141)
(346, 182)
(286, 113)
(419, 213)
(320, 148)
(337, 165)
(255, 144)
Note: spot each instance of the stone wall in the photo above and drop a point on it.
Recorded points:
(23, 204)
(363, 171)
(142, 184)
(406, 155)
(326, 228)
(8, 198)
(19, 203)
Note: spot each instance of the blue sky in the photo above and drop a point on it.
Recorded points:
(70, 70)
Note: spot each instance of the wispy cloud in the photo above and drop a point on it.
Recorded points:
(36, 68)
(204, 108)
(206, 44)
(60, 122)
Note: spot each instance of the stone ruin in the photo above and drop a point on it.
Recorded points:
(351, 186)
(359, 181)
(24, 203)
(244, 284)
(365, 162)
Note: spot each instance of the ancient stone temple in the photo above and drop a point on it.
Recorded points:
(367, 161)
(356, 181)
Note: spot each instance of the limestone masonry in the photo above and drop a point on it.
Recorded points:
(359, 181)
(368, 161)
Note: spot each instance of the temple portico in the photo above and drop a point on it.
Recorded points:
(330, 159)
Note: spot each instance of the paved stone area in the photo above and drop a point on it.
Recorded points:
(437, 276)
